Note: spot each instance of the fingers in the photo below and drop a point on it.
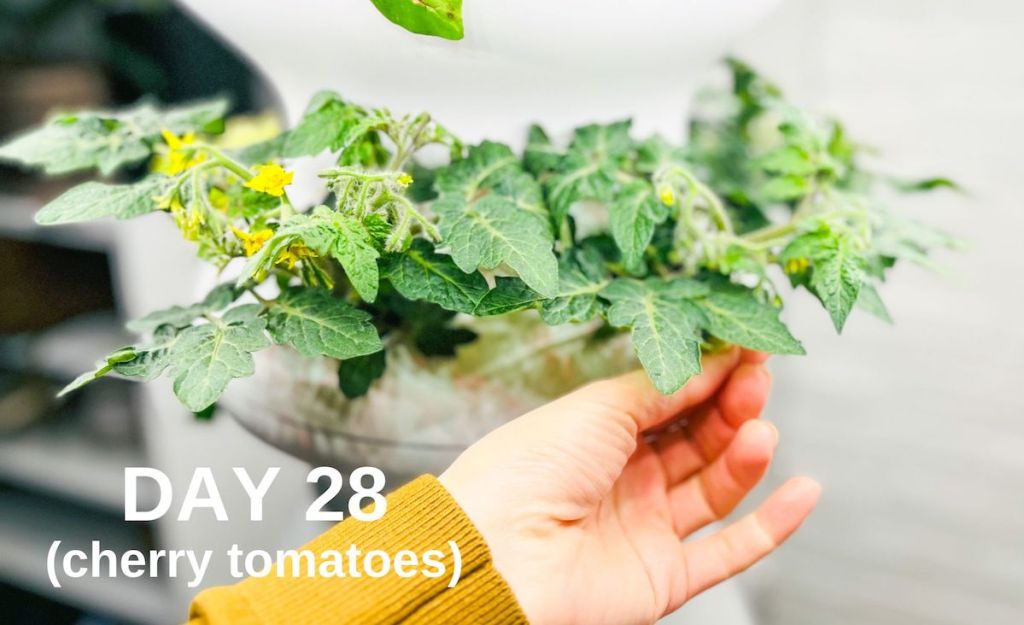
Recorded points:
(710, 430)
(717, 489)
(754, 358)
(633, 394)
(718, 557)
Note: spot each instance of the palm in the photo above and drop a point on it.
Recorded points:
(602, 493)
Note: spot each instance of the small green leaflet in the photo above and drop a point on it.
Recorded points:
(837, 270)
(508, 295)
(422, 274)
(540, 154)
(102, 368)
(181, 316)
(329, 123)
(871, 302)
(357, 375)
(736, 316)
(94, 200)
(350, 241)
(318, 324)
(588, 169)
(633, 214)
(581, 276)
(150, 359)
(440, 18)
(107, 140)
(489, 217)
(665, 326)
(206, 357)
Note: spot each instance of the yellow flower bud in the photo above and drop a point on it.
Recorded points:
(270, 179)
(667, 195)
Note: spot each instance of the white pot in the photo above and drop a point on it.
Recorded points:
(424, 411)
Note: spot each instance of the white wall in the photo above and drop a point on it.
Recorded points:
(916, 430)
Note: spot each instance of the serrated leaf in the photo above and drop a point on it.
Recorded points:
(489, 216)
(329, 123)
(95, 200)
(205, 358)
(788, 160)
(633, 214)
(422, 274)
(540, 154)
(357, 375)
(318, 324)
(581, 277)
(508, 295)
(180, 316)
(836, 278)
(871, 302)
(738, 317)
(150, 359)
(837, 270)
(786, 188)
(588, 169)
(344, 237)
(665, 325)
(439, 18)
(104, 367)
(106, 140)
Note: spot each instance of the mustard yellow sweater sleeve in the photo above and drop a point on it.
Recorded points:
(421, 516)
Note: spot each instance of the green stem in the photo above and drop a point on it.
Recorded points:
(229, 163)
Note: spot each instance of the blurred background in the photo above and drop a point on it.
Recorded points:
(916, 430)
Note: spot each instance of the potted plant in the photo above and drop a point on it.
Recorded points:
(418, 306)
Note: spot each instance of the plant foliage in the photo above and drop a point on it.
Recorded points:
(679, 245)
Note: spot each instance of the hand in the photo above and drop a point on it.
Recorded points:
(584, 502)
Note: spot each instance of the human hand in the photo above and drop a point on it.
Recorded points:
(584, 501)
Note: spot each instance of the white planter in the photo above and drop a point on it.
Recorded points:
(424, 411)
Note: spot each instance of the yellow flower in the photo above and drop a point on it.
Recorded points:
(270, 179)
(405, 179)
(666, 195)
(253, 241)
(189, 221)
(180, 154)
(294, 254)
(796, 265)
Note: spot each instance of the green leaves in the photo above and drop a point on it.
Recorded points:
(491, 214)
(107, 140)
(329, 123)
(836, 269)
(581, 276)
(318, 324)
(668, 318)
(589, 169)
(489, 234)
(665, 326)
(440, 18)
(181, 316)
(422, 274)
(95, 200)
(633, 215)
(349, 240)
(357, 375)
(206, 357)
(738, 317)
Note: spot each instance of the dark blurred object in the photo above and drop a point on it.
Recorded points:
(45, 284)
(18, 607)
